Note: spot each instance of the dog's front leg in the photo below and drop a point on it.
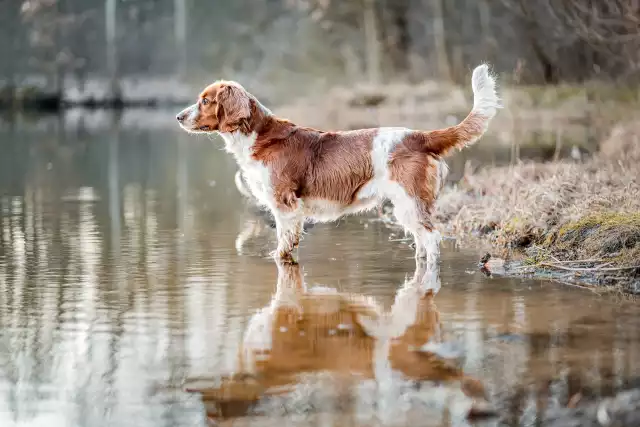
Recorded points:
(288, 230)
(289, 221)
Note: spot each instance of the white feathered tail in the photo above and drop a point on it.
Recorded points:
(485, 106)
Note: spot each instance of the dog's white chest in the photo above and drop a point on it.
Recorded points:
(257, 178)
(256, 174)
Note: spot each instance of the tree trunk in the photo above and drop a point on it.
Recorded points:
(58, 71)
(442, 58)
(372, 42)
(549, 70)
(395, 33)
(180, 28)
(112, 52)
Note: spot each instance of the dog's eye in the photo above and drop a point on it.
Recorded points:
(205, 101)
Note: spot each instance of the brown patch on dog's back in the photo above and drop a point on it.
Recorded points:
(310, 164)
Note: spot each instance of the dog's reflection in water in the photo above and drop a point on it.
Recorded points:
(321, 351)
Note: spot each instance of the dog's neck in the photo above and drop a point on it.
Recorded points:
(239, 144)
(266, 128)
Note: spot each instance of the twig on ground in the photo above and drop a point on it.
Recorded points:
(579, 261)
(597, 268)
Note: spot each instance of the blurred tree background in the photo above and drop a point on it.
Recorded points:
(65, 45)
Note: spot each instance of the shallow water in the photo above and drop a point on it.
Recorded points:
(130, 267)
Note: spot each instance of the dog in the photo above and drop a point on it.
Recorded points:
(300, 173)
(319, 333)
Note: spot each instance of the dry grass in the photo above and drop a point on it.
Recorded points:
(560, 211)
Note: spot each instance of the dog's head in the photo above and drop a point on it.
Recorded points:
(224, 106)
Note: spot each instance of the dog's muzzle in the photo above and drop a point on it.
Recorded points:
(187, 117)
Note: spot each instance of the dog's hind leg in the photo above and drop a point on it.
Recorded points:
(414, 216)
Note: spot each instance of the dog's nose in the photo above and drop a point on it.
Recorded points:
(180, 117)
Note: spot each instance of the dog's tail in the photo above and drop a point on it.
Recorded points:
(485, 106)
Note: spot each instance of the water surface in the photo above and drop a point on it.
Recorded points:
(130, 265)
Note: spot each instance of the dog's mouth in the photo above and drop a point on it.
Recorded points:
(195, 129)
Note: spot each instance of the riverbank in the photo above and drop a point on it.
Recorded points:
(96, 93)
(578, 221)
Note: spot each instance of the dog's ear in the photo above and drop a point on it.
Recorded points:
(233, 110)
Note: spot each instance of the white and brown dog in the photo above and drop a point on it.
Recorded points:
(300, 173)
